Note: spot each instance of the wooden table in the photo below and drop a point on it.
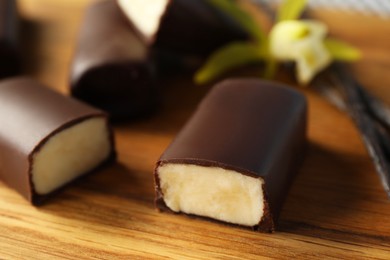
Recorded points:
(335, 209)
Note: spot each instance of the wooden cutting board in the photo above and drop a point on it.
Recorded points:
(336, 207)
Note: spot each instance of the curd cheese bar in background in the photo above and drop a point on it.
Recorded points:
(183, 26)
(235, 158)
(47, 140)
(123, 44)
(9, 54)
(112, 68)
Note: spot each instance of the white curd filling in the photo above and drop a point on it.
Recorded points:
(145, 15)
(212, 192)
(69, 154)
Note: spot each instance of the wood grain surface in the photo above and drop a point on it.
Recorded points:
(336, 207)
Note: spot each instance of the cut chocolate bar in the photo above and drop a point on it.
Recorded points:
(184, 26)
(9, 56)
(47, 140)
(236, 157)
(112, 69)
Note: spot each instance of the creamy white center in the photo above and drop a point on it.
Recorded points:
(145, 15)
(69, 154)
(212, 192)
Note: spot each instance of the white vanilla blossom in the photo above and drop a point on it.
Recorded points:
(301, 41)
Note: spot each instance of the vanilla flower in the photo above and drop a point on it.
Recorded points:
(301, 41)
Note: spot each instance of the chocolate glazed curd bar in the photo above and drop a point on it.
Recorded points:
(9, 56)
(47, 140)
(235, 158)
(183, 26)
(122, 44)
(111, 68)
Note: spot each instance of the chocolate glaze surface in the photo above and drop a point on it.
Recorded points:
(30, 115)
(253, 127)
(9, 56)
(111, 67)
(188, 32)
(196, 27)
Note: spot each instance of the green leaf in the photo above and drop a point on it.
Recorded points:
(227, 58)
(271, 66)
(342, 51)
(243, 18)
(291, 10)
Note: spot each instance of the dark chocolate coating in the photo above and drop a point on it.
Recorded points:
(30, 114)
(254, 127)
(9, 56)
(111, 67)
(196, 28)
(193, 28)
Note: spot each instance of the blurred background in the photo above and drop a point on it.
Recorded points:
(379, 8)
(51, 28)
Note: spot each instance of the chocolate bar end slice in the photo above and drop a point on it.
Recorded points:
(48, 140)
(236, 157)
(230, 196)
(112, 68)
(70, 153)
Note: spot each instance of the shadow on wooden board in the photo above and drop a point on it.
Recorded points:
(327, 203)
